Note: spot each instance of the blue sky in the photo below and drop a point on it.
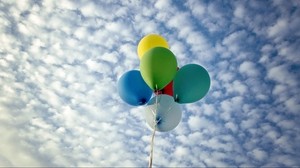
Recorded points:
(60, 62)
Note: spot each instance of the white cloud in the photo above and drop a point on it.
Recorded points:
(249, 69)
(286, 124)
(226, 76)
(231, 126)
(279, 29)
(239, 11)
(181, 152)
(249, 123)
(194, 123)
(288, 51)
(232, 41)
(201, 123)
(259, 154)
(81, 33)
(36, 20)
(23, 5)
(67, 4)
(12, 146)
(281, 75)
(179, 19)
(208, 109)
(293, 104)
(198, 8)
(60, 61)
(89, 9)
(236, 86)
(163, 5)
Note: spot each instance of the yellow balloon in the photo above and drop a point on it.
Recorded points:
(151, 41)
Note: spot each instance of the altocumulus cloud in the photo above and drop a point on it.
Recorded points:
(60, 62)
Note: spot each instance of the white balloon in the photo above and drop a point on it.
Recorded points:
(164, 111)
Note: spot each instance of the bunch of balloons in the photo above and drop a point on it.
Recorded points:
(159, 74)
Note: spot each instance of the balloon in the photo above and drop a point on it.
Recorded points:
(168, 113)
(158, 67)
(133, 89)
(191, 83)
(150, 41)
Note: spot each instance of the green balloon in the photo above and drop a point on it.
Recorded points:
(158, 67)
(190, 84)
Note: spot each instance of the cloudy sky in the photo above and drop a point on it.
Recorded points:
(60, 62)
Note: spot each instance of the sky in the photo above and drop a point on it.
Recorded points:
(60, 62)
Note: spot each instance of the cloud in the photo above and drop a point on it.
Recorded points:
(259, 154)
(201, 124)
(288, 51)
(286, 82)
(239, 11)
(231, 126)
(280, 27)
(232, 41)
(198, 8)
(249, 69)
(60, 62)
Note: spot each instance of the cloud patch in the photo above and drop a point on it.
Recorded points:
(60, 62)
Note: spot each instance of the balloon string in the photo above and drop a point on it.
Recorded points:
(153, 134)
(151, 149)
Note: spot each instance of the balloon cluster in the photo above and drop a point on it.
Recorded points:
(159, 73)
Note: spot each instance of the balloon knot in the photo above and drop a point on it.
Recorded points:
(158, 120)
(158, 92)
(176, 98)
(142, 101)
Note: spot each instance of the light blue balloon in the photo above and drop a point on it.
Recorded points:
(133, 89)
(163, 113)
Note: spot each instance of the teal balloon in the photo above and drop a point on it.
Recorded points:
(190, 84)
(163, 113)
(158, 67)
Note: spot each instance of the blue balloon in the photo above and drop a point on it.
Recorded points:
(133, 89)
